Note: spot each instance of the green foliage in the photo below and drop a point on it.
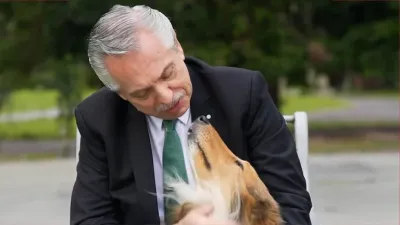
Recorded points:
(363, 38)
(239, 33)
(45, 44)
(69, 78)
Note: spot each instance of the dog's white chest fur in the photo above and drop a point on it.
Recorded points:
(206, 192)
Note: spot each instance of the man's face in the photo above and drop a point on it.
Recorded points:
(154, 79)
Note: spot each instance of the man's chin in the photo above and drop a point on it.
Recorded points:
(170, 115)
(174, 115)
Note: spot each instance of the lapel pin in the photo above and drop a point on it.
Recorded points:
(208, 116)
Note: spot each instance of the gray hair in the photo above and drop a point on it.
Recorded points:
(115, 34)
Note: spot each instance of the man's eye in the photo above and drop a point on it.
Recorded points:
(141, 95)
(169, 74)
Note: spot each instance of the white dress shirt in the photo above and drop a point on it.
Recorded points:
(157, 136)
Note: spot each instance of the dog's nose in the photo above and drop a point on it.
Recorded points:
(204, 119)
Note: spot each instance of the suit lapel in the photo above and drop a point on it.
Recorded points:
(199, 103)
(139, 148)
(202, 103)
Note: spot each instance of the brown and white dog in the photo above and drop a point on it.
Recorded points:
(230, 184)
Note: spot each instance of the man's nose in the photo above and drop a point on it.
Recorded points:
(164, 94)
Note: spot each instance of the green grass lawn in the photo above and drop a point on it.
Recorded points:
(31, 130)
(49, 128)
(311, 103)
(27, 100)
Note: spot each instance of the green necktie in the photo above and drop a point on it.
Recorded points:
(173, 160)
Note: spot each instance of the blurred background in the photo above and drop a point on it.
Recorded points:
(336, 60)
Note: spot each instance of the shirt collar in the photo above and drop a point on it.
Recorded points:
(183, 119)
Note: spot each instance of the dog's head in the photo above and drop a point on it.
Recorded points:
(240, 188)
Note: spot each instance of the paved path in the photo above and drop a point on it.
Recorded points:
(361, 109)
(357, 189)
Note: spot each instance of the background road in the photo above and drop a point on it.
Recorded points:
(351, 189)
(356, 189)
(362, 109)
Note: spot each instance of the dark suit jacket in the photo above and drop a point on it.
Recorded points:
(115, 169)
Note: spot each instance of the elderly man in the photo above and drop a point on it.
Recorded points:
(149, 82)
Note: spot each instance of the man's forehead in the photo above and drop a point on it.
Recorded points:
(154, 58)
(150, 44)
(139, 67)
(148, 69)
(145, 59)
(153, 65)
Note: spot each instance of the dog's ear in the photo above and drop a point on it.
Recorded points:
(260, 208)
(257, 208)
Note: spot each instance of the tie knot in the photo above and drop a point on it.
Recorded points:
(169, 125)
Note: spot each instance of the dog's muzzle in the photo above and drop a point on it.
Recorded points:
(196, 125)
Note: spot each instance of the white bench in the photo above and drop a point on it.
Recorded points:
(300, 122)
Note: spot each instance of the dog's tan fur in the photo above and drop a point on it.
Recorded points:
(241, 187)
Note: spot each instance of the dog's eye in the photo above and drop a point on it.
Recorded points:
(239, 164)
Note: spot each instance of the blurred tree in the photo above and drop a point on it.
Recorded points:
(19, 40)
(363, 38)
(247, 34)
(36, 57)
(69, 78)
(278, 38)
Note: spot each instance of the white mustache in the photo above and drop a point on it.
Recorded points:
(165, 107)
